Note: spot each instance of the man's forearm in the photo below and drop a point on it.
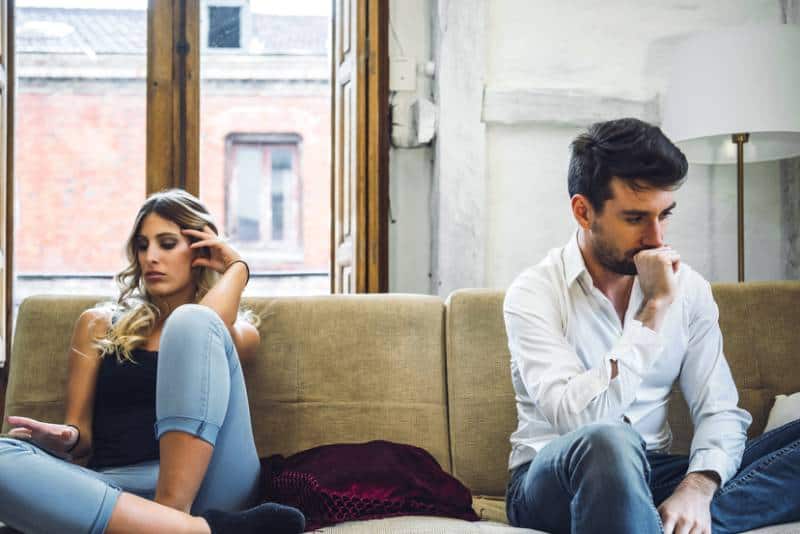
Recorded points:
(706, 482)
(652, 313)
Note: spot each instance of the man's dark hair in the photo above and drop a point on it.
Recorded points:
(630, 149)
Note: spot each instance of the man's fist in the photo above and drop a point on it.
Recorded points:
(656, 268)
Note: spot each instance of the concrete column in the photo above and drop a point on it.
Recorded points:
(790, 181)
(460, 171)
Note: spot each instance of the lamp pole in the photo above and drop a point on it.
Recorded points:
(740, 139)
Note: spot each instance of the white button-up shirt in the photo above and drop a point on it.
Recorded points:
(563, 333)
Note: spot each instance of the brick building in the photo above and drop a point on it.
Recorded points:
(80, 144)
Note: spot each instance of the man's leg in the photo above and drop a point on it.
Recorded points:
(765, 489)
(591, 480)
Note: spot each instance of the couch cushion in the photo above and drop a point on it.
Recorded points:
(424, 525)
(480, 395)
(38, 368)
(761, 340)
(330, 369)
(339, 369)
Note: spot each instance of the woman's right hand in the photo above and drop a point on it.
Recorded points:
(57, 439)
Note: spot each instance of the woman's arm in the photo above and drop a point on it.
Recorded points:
(64, 440)
(225, 297)
(83, 366)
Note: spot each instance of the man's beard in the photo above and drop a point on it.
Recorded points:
(608, 256)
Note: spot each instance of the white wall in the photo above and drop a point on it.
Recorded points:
(618, 49)
(549, 69)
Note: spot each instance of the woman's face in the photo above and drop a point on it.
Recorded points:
(164, 256)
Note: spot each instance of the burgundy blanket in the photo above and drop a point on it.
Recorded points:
(336, 483)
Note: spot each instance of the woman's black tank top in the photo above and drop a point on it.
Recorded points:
(123, 430)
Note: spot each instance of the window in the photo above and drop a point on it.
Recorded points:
(263, 196)
(224, 27)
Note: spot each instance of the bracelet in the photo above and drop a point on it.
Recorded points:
(78, 440)
(247, 267)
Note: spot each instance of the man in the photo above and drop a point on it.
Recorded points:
(598, 332)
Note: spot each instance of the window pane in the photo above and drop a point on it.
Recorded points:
(223, 27)
(272, 94)
(281, 179)
(79, 144)
(249, 178)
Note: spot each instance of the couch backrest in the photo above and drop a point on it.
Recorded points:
(330, 369)
(759, 322)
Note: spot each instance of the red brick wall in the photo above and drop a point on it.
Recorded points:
(80, 171)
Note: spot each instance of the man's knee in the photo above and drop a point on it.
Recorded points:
(611, 450)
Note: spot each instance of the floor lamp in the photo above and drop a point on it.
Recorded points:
(733, 95)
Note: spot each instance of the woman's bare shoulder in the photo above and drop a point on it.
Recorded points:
(93, 322)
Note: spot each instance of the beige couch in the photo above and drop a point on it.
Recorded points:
(412, 369)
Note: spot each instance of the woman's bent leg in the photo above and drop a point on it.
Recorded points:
(135, 515)
(201, 394)
(40, 493)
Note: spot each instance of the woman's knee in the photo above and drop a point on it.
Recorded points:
(189, 318)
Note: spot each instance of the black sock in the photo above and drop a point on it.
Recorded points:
(265, 518)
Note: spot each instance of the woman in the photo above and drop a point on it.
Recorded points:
(168, 352)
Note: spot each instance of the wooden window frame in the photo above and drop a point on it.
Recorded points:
(360, 146)
(173, 135)
(173, 95)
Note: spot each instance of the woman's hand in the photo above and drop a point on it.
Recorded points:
(221, 254)
(57, 439)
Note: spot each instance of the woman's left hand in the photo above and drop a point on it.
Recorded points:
(221, 254)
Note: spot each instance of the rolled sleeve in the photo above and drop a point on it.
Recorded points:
(715, 460)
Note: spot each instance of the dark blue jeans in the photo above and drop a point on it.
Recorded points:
(600, 479)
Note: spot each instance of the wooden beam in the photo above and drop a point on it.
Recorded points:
(378, 129)
(173, 95)
(191, 109)
(160, 92)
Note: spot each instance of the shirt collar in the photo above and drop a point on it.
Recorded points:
(574, 266)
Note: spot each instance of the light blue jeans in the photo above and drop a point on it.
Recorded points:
(599, 479)
(200, 390)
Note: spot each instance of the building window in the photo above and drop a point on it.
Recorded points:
(263, 192)
(224, 27)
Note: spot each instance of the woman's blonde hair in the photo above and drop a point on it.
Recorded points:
(134, 314)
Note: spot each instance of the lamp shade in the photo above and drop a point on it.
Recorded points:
(735, 80)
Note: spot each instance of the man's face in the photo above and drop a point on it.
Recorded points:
(632, 220)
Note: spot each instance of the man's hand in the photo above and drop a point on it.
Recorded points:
(656, 269)
(688, 509)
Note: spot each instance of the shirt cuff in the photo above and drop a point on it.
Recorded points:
(713, 460)
(638, 347)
